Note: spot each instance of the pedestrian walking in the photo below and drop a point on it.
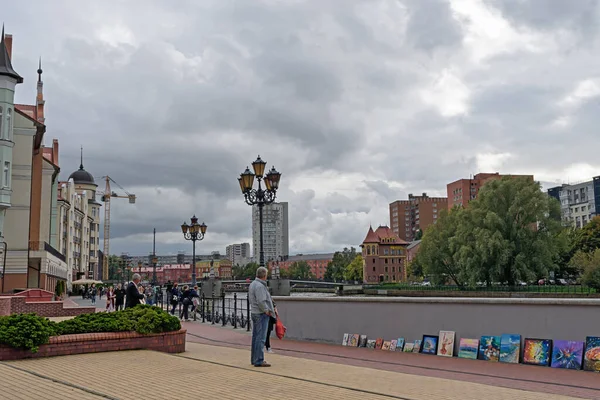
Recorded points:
(93, 293)
(186, 300)
(261, 310)
(134, 297)
(272, 322)
(110, 299)
(174, 298)
(119, 297)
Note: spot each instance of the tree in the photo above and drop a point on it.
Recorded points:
(354, 270)
(300, 270)
(419, 234)
(337, 266)
(589, 265)
(245, 271)
(587, 238)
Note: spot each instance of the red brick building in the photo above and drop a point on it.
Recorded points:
(462, 191)
(418, 212)
(384, 256)
(183, 272)
(317, 262)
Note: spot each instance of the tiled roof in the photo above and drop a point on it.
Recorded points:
(307, 257)
(381, 233)
(413, 244)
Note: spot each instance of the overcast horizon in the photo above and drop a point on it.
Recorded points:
(356, 102)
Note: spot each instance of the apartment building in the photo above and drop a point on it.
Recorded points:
(275, 231)
(579, 202)
(238, 253)
(462, 191)
(417, 213)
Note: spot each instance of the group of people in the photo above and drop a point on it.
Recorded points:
(185, 297)
(119, 298)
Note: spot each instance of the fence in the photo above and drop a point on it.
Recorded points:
(220, 310)
(566, 289)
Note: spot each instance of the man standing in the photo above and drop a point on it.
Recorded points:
(133, 295)
(261, 309)
(119, 297)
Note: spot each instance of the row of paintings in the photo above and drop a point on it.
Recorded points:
(505, 348)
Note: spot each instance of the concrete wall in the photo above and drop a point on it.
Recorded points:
(327, 319)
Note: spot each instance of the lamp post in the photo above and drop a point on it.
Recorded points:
(194, 232)
(260, 196)
(154, 259)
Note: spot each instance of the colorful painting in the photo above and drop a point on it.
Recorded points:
(378, 343)
(400, 344)
(353, 340)
(393, 345)
(409, 347)
(468, 348)
(537, 351)
(567, 354)
(345, 340)
(417, 346)
(510, 348)
(430, 344)
(489, 348)
(591, 360)
(386, 345)
(371, 343)
(362, 342)
(446, 344)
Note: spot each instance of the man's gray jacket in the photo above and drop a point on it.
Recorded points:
(260, 298)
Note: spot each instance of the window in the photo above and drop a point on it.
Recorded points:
(8, 124)
(1, 119)
(6, 175)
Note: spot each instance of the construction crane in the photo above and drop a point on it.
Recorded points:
(106, 196)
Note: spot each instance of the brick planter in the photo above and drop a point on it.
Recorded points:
(168, 342)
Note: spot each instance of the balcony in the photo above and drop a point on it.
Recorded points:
(44, 246)
(76, 239)
(77, 225)
(76, 254)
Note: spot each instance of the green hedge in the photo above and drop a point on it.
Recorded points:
(29, 331)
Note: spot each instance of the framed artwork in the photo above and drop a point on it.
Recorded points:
(345, 340)
(510, 348)
(386, 345)
(409, 347)
(468, 348)
(371, 343)
(430, 344)
(400, 344)
(353, 340)
(567, 354)
(537, 351)
(417, 346)
(362, 342)
(591, 359)
(379, 343)
(446, 344)
(489, 348)
(393, 345)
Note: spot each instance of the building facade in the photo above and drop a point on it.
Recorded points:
(579, 203)
(317, 262)
(462, 191)
(417, 213)
(384, 256)
(182, 273)
(275, 231)
(239, 253)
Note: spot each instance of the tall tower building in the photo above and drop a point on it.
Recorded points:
(417, 213)
(238, 254)
(276, 240)
(9, 78)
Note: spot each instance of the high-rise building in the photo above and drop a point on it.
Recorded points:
(417, 213)
(238, 253)
(275, 231)
(462, 191)
(579, 203)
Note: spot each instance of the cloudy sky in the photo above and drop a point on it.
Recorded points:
(356, 102)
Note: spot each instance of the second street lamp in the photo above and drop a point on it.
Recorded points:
(260, 196)
(194, 232)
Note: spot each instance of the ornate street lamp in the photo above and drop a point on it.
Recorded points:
(259, 196)
(194, 232)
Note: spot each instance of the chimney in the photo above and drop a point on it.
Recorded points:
(55, 151)
(8, 44)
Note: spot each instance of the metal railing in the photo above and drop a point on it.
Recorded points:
(221, 310)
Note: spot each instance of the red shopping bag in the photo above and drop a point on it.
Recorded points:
(280, 328)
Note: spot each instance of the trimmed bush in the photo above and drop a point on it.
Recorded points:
(26, 331)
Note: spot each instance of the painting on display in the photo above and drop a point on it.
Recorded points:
(468, 348)
(510, 348)
(537, 351)
(345, 340)
(393, 345)
(430, 344)
(386, 345)
(362, 342)
(591, 360)
(567, 354)
(417, 346)
(353, 340)
(489, 348)
(400, 344)
(446, 344)
(409, 347)
(371, 343)
(378, 343)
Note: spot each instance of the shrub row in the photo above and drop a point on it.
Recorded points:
(29, 331)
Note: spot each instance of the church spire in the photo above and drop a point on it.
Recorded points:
(81, 165)
(6, 68)
(39, 100)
